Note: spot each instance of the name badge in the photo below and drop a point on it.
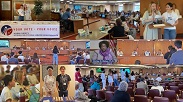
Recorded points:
(64, 84)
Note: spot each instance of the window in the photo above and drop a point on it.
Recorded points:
(136, 7)
(120, 8)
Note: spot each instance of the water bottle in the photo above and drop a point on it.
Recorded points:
(21, 95)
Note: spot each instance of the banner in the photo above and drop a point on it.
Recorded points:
(30, 29)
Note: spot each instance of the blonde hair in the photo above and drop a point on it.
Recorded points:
(150, 11)
(18, 76)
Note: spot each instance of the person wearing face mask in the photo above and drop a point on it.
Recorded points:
(49, 82)
(171, 18)
(104, 55)
(148, 19)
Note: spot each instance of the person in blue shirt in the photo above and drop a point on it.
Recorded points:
(66, 17)
(96, 85)
(177, 57)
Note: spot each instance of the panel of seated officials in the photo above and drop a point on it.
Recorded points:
(50, 52)
(149, 51)
(19, 83)
(108, 84)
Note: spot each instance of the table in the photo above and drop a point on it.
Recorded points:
(96, 35)
(78, 24)
(30, 29)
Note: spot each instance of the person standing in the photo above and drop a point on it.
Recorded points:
(63, 83)
(49, 82)
(78, 78)
(27, 13)
(148, 19)
(177, 57)
(123, 74)
(171, 18)
(55, 55)
(21, 13)
(103, 77)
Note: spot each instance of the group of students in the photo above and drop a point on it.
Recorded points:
(20, 78)
(150, 17)
(13, 58)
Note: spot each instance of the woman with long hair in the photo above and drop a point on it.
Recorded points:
(55, 55)
(148, 19)
(19, 77)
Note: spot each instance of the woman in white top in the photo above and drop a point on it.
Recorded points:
(21, 13)
(31, 77)
(19, 79)
(6, 95)
(27, 13)
(103, 79)
(148, 19)
(110, 79)
(176, 10)
(132, 77)
(49, 82)
(157, 86)
(171, 18)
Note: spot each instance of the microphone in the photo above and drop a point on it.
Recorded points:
(34, 85)
(30, 94)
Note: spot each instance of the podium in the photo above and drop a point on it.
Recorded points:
(159, 27)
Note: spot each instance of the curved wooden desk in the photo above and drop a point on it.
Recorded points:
(78, 24)
(95, 35)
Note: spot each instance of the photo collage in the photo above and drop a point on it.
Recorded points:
(91, 51)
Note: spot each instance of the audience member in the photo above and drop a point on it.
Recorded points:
(121, 94)
(78, 78)
(157, 86)
(159, 78)
(20, 56)
(141, 84)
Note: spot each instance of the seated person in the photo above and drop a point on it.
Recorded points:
(147, 53)
(21, 56)
(79, 95)
(13, 59)
(79, 57)
(181, 73)
(118, 30)
(124, 24)
(143, 85)
(6, 95)
(66, 17)
(159, 78)
(96, 85)
(157, 86)
(121, 93)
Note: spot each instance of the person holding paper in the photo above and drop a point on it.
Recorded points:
(149, 18)
(171, 18)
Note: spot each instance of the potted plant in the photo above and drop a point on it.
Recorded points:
(38, 8)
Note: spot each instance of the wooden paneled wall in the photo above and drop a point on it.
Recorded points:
(128, 46)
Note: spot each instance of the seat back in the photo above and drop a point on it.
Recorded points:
(179, 100)
(170, 94)
(140, 91)
(109, 95)
(3, 62)
(110, 88)
(81, 61)
(140, 98)
(100, 94)
(175, 88)
(160, 99)
(180, 86)
(91, 92)
(87, 61)
(130, 91)
(153, 93)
